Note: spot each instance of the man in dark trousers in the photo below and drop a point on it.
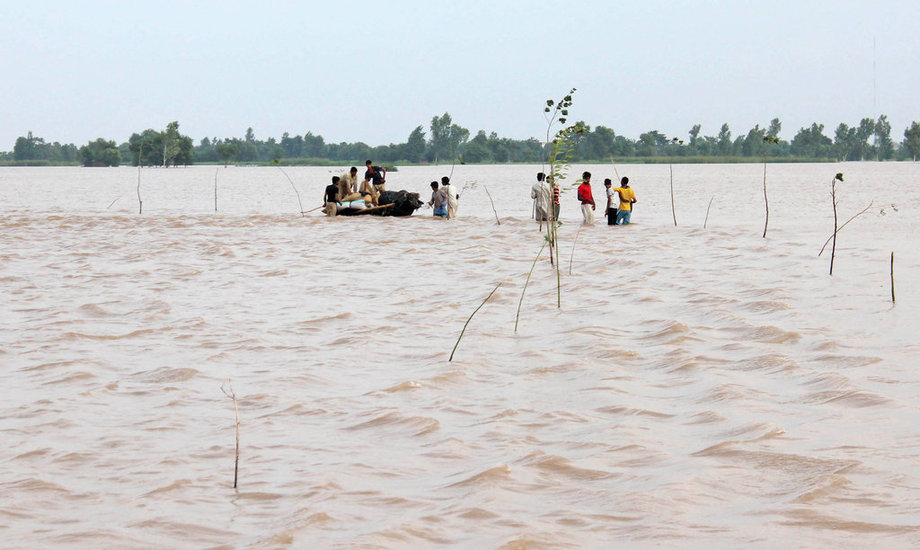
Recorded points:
(613, 200)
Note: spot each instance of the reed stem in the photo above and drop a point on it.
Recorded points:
(766, 202)
(451, 358)
(707, 212)
(236, 411)
(836, 229)
(673, 211)
(892, 276)
(493, 205)
(517, 316)
(839, 229)
(572, 255)
(295, 191)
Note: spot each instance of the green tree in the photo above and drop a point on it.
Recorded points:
(226, 151)
(846, 144)
(883, 145)
(101, 152)
(724, 143)
(171, 145)
(864, 131)
(812, 143)
(695, 139)
(912, 140)
(446, 137)
(754, 144)
(775, 128)
(146, 148)
(28, 147)
(415, 145)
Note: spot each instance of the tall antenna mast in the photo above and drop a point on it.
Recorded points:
(874, 82)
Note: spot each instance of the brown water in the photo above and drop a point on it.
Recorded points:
(697, 386)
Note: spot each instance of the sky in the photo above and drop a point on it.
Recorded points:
(73, 71)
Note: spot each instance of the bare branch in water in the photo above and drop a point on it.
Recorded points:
(236, 463)
(470, 319)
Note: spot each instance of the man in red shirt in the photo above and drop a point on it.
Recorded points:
(586, 198)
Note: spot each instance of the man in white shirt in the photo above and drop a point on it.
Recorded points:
(543, 195)
(453, 197)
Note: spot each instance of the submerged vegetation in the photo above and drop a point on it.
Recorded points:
(445, 141)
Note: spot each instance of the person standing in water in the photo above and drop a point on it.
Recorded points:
(586, 198)
(331, 198)
(627, 199)
(453, 197)
(613, 200)
(542, 195)
(438, 201)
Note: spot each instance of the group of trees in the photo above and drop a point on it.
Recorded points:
(32, 148)
(166, 148)
(445, 142)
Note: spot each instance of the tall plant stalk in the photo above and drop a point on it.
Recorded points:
(707, 212)
(766, 201)
(838, 177)
(572, 255)
(236, 411)
(561, 151)
(295, 191)
(497, 221)
(140, 203)
(892, 276)
(517, 316)
(844, 224)
(215, 188)
(451, 358)
(767, 140)
(673, 211)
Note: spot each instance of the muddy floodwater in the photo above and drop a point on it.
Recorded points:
(698, 387)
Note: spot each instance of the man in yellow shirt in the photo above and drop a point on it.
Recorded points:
(627, 199)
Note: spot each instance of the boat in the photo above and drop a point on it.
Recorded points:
(390, 203)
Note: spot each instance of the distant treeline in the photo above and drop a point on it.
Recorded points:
(446, 142)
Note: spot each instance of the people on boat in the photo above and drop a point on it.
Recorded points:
(613, 201)
(586, 198)
(542, 195)
(453, 197)
(376, 175)
(438, 201)
(627, 199)
(331, 197)
(348, 186)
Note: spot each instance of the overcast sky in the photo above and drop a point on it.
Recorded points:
(72, 71)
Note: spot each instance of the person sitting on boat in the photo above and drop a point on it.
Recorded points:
(438, 201)
(453, 197)
(348, 186)
(331, 198)
(369, 193)
(377, 175)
